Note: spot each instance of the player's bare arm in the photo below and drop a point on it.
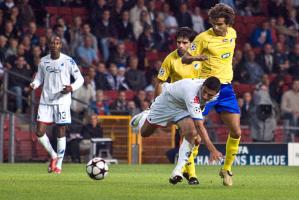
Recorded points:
(187, 58)
(215, 154)
(158, 87)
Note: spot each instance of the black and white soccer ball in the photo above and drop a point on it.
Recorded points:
(97, 168)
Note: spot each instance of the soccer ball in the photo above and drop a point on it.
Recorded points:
(97, 168)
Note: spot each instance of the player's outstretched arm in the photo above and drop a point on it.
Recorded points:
(215, 154)
(187, 58)
(38, 79)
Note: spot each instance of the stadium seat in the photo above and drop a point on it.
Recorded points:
(65, 11)
(131, 48)
(52, 10)
(240, 89)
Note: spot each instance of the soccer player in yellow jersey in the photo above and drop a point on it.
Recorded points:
(216, 47)
(173, 68)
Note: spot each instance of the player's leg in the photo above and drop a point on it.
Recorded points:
(62, 116)
(189, 169)
(44, 118)
(232, 120)
(188, 130)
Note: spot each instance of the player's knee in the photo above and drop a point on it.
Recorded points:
(145, 132)
(236, 133)
(39, 133)
(197, 140)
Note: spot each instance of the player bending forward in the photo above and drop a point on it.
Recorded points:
(54, 72)
(179, 103)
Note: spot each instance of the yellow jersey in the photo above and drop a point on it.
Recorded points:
(173, 67)
(220, 51)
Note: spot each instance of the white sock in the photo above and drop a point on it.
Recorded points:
(142, 120)
(184, 154)
(61, 143)
(44, 140)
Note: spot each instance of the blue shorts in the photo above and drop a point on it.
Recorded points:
(226, 101)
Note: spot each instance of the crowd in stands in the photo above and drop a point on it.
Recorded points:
(120, 44)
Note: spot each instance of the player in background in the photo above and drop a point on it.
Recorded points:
(173, 68)
(216, 47)
(181, 102)
(54, 73)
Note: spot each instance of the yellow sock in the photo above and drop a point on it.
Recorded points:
(190, 166)
(232, 145)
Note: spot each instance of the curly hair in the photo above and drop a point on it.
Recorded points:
(186, 32)
(222, 10)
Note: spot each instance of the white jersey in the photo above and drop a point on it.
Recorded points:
(186, 94)
(55, 75)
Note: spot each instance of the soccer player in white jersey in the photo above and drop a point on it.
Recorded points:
(54, 73)
(179, 103)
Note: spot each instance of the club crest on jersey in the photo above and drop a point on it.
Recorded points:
(161, 71)
(196, 100)
(72, 61)
(225, 55)
(193, 47)
(53, 69)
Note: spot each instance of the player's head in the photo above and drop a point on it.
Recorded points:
(221, 16)
(55, 45)
(184, 37)
(210, 88)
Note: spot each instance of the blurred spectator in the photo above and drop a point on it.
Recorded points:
(139, 97)
(117, 10)
(75, 33)
(253, 69)
(101, 105)
(266, 59)
(272, 29)
(248, 8)
(86, 31)
(169, 20)
(98, 8)
(142, 22)
(125, 27)
(8, 30)
(277, 87)
(292, 21)
(290, 108)
(151, 9)
(162, 39)
(86, 54)
(101, 81)
(11, 48)
(197, 20)
(145, 105)
(294, 61)
(73, 139)
(6, 6)
(121, 79)
(263, 122)
(135, 12)
(120, 104)
(10, 61)
(82, 99)
(246, 108)
(43, 44)
(282, 28)
(134, 77)
(183, 17)
(34, 58)
(26, 13)
(261, 35)
(65, 33)
(277, 8)
(145, 44)
(152, 71)
(17, 84)
(230, 3)
(31, 33)
(112, 77)
(59, 31)
(120, 56)
(92, 74)
(281, 61)
(92, 130)
(240, 74)
(133, 110)
(106, 34)
(3, 47)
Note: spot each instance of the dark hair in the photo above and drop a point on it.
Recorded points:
(186, 32)
(212, 83)
(222, 10)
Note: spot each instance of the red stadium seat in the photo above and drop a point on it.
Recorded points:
(130, 47)
(65, 11)
(52, 10)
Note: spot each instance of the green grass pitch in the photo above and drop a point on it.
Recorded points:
(31, 181)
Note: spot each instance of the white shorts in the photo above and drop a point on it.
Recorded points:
(164, 111)
(60, 114)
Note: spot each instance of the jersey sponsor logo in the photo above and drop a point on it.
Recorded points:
(161, 71)
(225, 55)
(193, 47)
(225, 40)
(51, 69)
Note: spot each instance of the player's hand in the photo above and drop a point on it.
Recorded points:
(31, 87)
(202, 57)
(67, 89)
(216, 155)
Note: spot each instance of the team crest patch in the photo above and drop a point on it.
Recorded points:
(161, 71)
(193, 47)
(196, 100)
(197, 109)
